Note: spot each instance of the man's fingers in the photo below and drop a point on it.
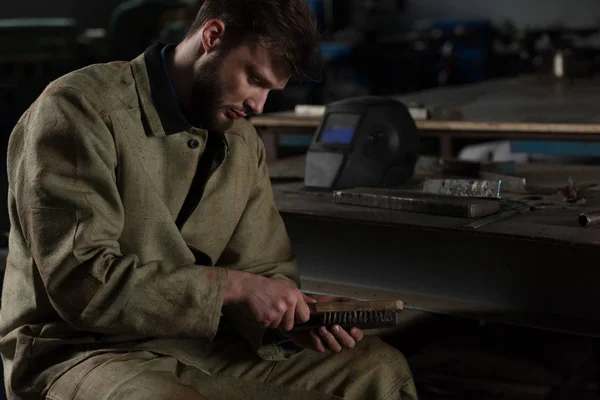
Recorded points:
(276, 321)
(317, 343)
(308, 299)
(329, 340)
(302, 312)
(296, 314)
(287, 322)
(357, 334)
(302, 308)
(308, 340)
(275, 324)
(343, 337)
(321, 298)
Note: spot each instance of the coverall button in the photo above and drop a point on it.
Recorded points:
(193, 144)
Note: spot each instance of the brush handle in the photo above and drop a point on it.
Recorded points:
(350, 314)
(338, 306)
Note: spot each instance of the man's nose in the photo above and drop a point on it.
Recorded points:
(257, 102)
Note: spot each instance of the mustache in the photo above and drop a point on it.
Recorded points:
(242, 110)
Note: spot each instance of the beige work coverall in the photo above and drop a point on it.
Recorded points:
(105, 297)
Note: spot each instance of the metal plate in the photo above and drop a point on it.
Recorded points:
(394, 199)
(463, 187)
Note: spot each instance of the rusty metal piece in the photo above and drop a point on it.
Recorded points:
(463, 187)
(418, 202)
(574, 193)
(589, 218)
(498, 217)
(512, 184)
(515, 208)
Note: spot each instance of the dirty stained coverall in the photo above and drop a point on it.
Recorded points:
(116, 270)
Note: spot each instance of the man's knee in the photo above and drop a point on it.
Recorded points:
(131, 376)
(385, 355)
(372, 370)
(385, 370)
(156, 385)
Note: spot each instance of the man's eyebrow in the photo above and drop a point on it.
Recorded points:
(262, 78)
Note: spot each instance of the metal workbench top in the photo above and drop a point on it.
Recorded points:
(558, 223)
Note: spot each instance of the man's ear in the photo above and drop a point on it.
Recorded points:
(211, 34)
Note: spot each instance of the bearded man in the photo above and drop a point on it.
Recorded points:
(147, 259)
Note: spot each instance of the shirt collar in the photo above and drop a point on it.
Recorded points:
(163, 57)
(163, 93)
(164, 96)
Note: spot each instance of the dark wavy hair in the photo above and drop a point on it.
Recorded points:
(288, 29)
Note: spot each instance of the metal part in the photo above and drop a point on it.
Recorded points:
(575, 193)
(498, 217)
(589, 218)
(395, 199)
(517, 208)
(463, 187)
(512, 184)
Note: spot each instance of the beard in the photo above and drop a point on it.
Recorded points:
(207, 97)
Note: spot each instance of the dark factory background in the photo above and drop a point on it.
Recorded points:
(374, 47)
(425, 43)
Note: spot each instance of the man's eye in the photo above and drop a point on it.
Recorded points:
(255, 81)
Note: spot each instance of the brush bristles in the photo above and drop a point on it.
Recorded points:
(359, 317)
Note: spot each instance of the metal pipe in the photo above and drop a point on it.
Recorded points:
(589, 218)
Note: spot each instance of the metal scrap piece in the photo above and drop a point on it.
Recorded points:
(511, 184)
(463, 187)
(589, 218)
(418, 202)
(498, 217)
(574, 193)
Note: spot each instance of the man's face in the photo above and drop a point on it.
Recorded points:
(230, 85)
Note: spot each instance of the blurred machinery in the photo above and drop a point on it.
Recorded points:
(32, 53)
(562, 51)
(368, 48)
(373, 50)
(136, 24)
(428, 55)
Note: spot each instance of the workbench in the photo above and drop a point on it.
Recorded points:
(538, 269)
(527, 107)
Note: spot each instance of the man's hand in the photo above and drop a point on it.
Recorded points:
(271, 303)
(332, 338)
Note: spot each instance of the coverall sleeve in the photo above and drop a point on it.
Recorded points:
(261, 245)
(62, 167)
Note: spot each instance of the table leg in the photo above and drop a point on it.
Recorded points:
(270, 138)
(446, 150)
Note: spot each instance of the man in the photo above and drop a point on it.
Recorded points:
(144, 239)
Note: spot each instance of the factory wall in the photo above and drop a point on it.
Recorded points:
(89, 14)
(522, 13)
